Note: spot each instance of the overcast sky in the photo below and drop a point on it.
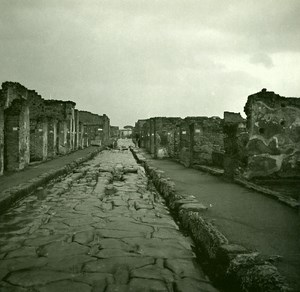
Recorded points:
(138, 59)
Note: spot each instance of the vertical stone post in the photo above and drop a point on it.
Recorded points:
(1, 140)
(16, 138)
(152, 136)
(184, 153)
(80, 135)
(52, 137)
(232, 127)
(38, 139)
(62, 137)
(77, 129)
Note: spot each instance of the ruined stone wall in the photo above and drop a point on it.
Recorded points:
(236, 138)
(146, 135)
(15, 122)
(16, 135)
(207, 139)
(55, 111)
(200, 141)
(114, 132)
(138, 132)
(38, 127)
(1, 138)
(184, 150)
(102, 122)
(152, 136)
(164, 129)
(38, 139)
(52, 149)
(273, 123)
(32, 128)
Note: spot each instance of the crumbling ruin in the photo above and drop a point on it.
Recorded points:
(33, 129)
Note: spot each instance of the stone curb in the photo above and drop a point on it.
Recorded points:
(213, 171)
(290, 202)
(12, 195)
(273, 194)
(231, 266)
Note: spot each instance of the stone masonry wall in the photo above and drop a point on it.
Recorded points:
(101, 122)
(235, 140)
(273, 122)
(15, 122)
(200, 138)
(185, 143)
(33, 129)
(207, 138)
(1, 139)
(146, 135)
(164, 136)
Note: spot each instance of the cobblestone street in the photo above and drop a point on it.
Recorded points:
(101, 228)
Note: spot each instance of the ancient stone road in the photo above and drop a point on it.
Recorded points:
(100, 228)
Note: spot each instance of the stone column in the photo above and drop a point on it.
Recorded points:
(52, 138)
(184, 152)
(1, 140)
(62, 137)
(152, 136)
(77, 130)
(232, 129)
(38, 139)
(16, 136)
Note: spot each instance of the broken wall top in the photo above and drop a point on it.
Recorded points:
(11, 91)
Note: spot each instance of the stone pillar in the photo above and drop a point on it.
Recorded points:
(184, 152)
(85, 136)
(232, 129)
(152, 136)
(62, 137)
(77, 130)
(38, 140)
(80, 135)
(176, 141)
(16, 136)
(52, 138)
(1, 140)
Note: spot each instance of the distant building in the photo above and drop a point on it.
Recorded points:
(126, 132)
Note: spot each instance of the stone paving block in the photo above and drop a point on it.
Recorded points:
(99, 232)
(191, 285)
(22, 263)
(147, 285)
(185, 268)
(84, 237)
(117, 288)
(153, 272)
(59, 249)
(65, 285)
(110, 265)
(36, 277)
(72, 264)
(158, 248)
(97, 280)
(26, 251)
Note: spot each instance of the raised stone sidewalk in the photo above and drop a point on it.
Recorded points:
(16, 185)
(101, 228)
